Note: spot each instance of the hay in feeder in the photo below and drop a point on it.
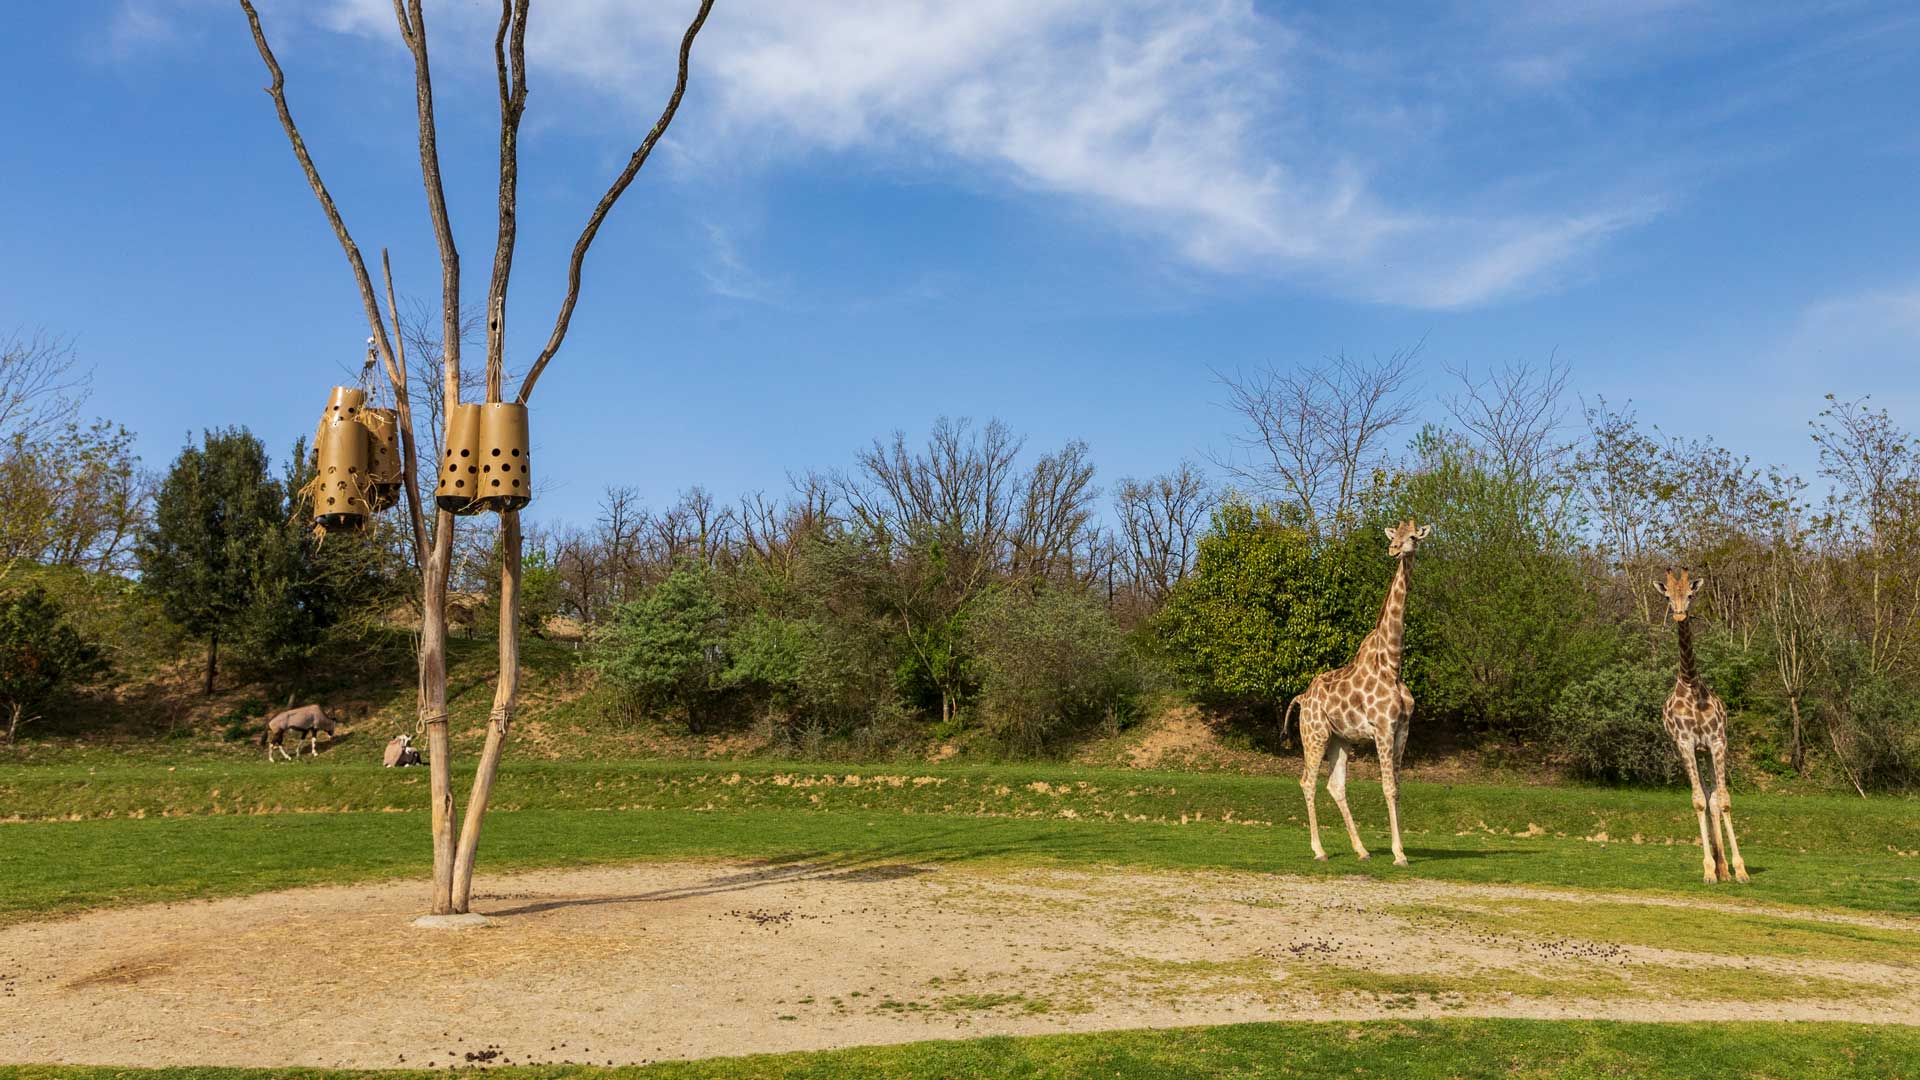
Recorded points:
(384, 467)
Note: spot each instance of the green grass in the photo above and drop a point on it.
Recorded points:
(349, 778)
(152, 832)
(1414, 1050)
(51, 867)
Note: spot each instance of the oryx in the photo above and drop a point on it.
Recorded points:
(306, 720)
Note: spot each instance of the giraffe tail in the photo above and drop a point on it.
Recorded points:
(1287, 717)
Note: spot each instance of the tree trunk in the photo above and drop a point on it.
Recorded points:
(433, 707)
(213, 660)
(1797, 754)
(505, 696)
(1833, 740)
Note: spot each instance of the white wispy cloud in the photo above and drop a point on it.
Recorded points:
(727, 273)
(1244, 144)
(1884, 322)
(138, 27)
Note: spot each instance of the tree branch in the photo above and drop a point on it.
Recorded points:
(413, 31)
(606, 203)
(510, 63)
(403, 408)
(278, 92)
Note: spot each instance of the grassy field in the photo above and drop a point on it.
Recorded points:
(94, 834)
(1414, 1050)
(91, 829)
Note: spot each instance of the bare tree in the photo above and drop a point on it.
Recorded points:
(1314, 437)
(1514, 415)
(960, 488)
(1056, 508)
(454, 858)
(40, 390)
(1874, 468)
(1793, 599)
(1161, 519)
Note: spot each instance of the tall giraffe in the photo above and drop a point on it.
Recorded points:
(1364, 702)
(1695, 718)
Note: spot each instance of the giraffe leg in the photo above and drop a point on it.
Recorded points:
(1313, 745)
(1337, 787)
(1723, 813)
(1390, 786)
(1709, 847)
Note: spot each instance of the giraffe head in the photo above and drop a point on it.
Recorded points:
(1679, 588)
(1402, 537)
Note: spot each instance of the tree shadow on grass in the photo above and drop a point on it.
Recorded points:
(1449, 854)
(889, 862)
(924, 855)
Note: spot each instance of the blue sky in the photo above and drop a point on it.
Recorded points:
(1062, 213)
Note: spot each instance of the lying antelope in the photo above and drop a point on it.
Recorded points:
(400, 752)
(306, 720)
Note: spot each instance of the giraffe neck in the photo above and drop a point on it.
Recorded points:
(1389, 633)
(1688, 673)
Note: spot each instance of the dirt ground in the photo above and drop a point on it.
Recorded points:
(633, 964)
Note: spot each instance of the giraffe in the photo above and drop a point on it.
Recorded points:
(1364, 702)
(1696, 718)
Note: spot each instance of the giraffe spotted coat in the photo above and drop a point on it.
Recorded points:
(1696, 720)
(1363, 703)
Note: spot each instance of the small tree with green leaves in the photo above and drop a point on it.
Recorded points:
(216, 534)
(1267, 606)
(39, 653)
(667, 648)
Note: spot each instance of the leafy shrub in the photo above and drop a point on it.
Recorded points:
(1052, 662)
(667, 649)
(39, 654)
(1608, 726)
(1500, 621)
(1267, 607)
(811, 676)
(1878, 733)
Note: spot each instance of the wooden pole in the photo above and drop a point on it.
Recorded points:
(506, 698)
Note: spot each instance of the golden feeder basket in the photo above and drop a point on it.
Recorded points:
(383, 428)
(460, 462)
(506, 483)
(342, 456)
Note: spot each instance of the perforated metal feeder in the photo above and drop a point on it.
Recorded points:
(342, 455)
(460, 462)
(383, 437)
(506, 483)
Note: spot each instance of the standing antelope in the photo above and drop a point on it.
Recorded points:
(306, 720)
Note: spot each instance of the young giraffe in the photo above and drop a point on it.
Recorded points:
(1364, 702)
(1695, 718)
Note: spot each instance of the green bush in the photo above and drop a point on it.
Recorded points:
(1052, 663)
(1879, 734)
(1608, 726)
(39, 654)
(1500, 620)
(1268, 607)
(666, 650)
(809, 675)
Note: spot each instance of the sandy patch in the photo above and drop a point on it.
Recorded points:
(632, 964)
